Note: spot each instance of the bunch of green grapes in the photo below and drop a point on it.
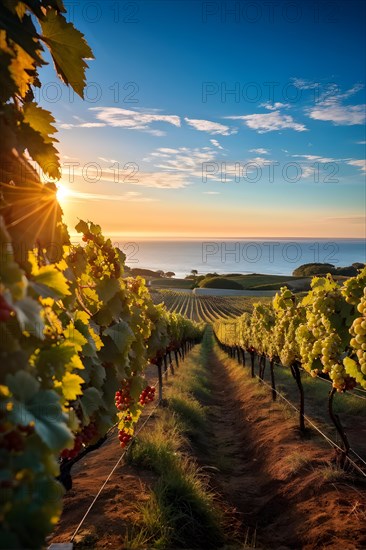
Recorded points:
(323, 336)
(245, 330)
(353, 288)
(262, 326)
(288, 317)
(356, 364)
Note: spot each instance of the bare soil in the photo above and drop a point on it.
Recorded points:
(277, 489)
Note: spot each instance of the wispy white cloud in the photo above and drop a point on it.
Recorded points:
(361, 142)
(158, 179)
(361, 164)
(259, 161)
(309, 166)
(185, 161)
(213, 128)
(132, 120)
(349, 219)
(340, 115)
(259, 151)
(274, 106)
(103, 159)
(304, 84)
(65, 126)
(211, 193)
(270, 122)
(330, 107)
(168, 151)
(215, 143)
(315, 158)
(126, 197)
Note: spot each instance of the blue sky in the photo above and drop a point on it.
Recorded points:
(281, 155)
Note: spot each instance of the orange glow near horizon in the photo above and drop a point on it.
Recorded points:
(149, 220)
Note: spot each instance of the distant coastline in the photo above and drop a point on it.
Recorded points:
(241, 256)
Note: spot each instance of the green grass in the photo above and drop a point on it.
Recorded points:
(181, 511)
(246, 282)
(296, 461)
(251, 281)
(316, 395)
(153, 450)
(171, 283)
(331, 473)
(220, 282)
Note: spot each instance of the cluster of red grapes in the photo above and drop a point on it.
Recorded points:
(123, 399)
(13, 438)
(147, 395)
(5, 310)
(134, 285)
(124, 438)
(81, 440)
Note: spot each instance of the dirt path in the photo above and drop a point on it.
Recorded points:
(281, 486)
(275, 488)
(242, 478)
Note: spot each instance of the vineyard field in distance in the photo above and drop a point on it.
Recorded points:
(206, 309)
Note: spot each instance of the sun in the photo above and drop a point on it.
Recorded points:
(62, 193)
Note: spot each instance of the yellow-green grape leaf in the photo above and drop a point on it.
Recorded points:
(40, 150)
(40, 120)
(16, 69)
(75, 364)
(53, 279)
(71, 386)
(75, 337)
(68, 48)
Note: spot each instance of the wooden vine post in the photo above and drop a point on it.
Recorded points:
(295, 371)
(160, 378)
(273, 383)
(340, 430)
(252, 358)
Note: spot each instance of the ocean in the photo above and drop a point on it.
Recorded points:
(270, 256)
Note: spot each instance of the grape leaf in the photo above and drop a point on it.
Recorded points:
(17, 68)
(53, 279)
(39, 406)
(40, 120)
(82, 227)
(40, 150)
(22, 32)
(90, 401)
(35, 6)
(75, 337)
(56, 356)
(10, 272)
(121, 334)
(68, 48)
(107, 288)
(28, 315)
(71, 386)
(98, 375)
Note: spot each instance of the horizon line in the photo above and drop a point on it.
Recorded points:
(110, 234)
